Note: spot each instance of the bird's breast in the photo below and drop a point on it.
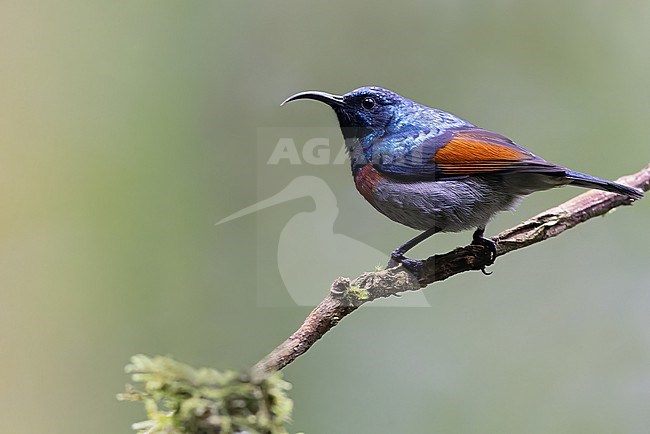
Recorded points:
(366, 180)
(450, 205)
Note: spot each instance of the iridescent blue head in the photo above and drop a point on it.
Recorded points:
(377, 122)
(363, 111)
(373, 111)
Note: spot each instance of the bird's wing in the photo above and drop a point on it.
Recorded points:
(462, 152)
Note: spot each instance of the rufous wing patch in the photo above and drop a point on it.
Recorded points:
(478, 153)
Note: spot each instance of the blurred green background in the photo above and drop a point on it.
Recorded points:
(127, 129)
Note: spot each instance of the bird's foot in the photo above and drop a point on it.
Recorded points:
(480, 240)
(413, 265)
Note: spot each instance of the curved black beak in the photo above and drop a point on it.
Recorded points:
(327, 98)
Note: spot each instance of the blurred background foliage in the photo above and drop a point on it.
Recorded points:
(127, 129)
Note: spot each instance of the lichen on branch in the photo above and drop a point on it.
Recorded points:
(180, 399)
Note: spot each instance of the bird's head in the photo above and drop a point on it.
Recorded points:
(363, 111)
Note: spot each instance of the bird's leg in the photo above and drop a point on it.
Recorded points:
(479, 240)
(413, 265)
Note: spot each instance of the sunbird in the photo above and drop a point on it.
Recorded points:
(435, 172)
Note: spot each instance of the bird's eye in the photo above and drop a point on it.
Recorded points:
(368, 103)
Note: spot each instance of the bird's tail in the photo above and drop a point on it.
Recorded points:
(588, 181)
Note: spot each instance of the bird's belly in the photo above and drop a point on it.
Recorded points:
(451, 206)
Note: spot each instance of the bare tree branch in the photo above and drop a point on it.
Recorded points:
(345, 296)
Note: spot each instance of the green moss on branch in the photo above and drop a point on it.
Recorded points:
(180, 399)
